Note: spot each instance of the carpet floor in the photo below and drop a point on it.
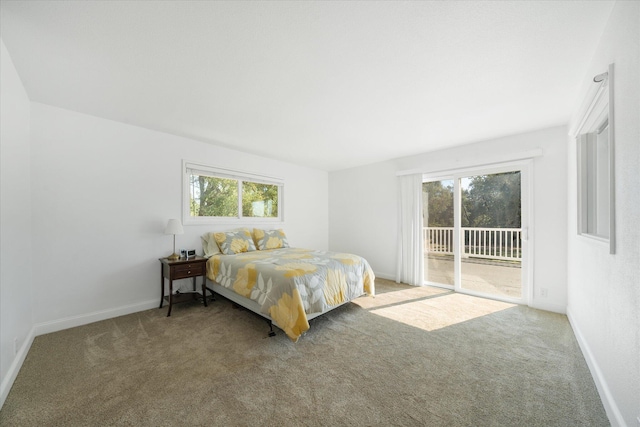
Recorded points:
(410, 356)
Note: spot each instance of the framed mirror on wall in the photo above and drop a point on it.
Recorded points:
(594, 134)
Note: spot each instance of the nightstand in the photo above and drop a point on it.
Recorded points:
(183, 269)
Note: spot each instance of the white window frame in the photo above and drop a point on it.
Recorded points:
(240, 176)
(595, 118)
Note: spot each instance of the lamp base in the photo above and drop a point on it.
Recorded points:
(173, 257)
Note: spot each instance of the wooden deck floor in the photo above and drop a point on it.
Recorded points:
(480, 275)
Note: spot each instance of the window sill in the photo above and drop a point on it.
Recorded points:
(599, 240)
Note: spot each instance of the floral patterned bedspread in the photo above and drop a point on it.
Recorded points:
(290, 283)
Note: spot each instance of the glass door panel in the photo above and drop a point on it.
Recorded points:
(438, 235)
(491, 234)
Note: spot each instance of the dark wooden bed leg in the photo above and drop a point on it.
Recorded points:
(213, 295)
(272, 333)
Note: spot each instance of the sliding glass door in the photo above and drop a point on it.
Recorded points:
(437, 232)
(491, 234)
(475, 232)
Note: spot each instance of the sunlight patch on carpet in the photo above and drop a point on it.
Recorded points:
(434, 309)
(402, 296)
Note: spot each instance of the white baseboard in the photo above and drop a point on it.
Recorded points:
(96, 316)
(555, 308)
(615, 416)
(58, 325)
(12, 373)
(385, 276)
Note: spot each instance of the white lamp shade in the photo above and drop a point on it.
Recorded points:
(174, 227)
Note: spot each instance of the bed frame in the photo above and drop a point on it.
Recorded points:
(254, 306)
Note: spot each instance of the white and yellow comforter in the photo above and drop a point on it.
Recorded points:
(290, 283)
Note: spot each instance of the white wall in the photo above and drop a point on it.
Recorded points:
(16, 292)
(604, 290)
(363, 205)
(363, 214)
(102, 193)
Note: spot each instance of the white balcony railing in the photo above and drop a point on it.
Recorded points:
(493, 243)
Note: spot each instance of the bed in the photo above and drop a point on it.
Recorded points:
(288, 286)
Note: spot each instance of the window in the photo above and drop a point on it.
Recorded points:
(594, 143)
(214, 195)
(594, 158)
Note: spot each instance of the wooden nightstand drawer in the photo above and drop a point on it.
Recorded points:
(189, 266)
(188, 270)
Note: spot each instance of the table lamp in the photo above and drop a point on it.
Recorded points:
(174, 227)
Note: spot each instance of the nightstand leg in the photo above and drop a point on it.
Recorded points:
(170, 296)
(204, 290)
(161, 284)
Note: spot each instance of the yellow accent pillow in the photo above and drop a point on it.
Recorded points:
(270, 239)
(235, 242)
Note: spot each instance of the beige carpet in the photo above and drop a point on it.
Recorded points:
(410, 356)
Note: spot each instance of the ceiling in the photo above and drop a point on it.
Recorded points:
(328, 85)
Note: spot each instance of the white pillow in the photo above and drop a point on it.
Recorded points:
(209, 245)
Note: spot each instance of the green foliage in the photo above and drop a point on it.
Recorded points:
(262, 197)
(439, 201)
(490, 201)
(213, 196)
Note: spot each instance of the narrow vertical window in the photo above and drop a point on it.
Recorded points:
(594, 151)
(594, 144)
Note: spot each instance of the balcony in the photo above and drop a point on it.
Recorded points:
(490, 259)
